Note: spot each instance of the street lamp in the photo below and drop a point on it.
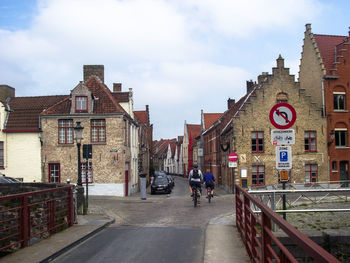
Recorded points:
(78, 132)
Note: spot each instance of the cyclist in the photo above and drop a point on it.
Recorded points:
(209, 181)
(195, 179)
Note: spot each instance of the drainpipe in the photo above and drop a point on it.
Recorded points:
(323, 101)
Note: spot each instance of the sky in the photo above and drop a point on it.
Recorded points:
(178, 56)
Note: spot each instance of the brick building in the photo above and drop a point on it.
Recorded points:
(325, 75)
(248, 133)
(211, 147)
(112, 132)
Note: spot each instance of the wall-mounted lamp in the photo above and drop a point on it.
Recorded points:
(331, 136)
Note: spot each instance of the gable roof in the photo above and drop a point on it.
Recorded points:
(327, 46)
(24, 112)
(210, 118)
(121, 96)
(141, 116)
(194, 130)
(106, 102)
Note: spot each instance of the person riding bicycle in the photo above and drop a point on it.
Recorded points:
(195, 179)
(209, 182)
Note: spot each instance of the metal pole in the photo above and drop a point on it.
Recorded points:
(87, 181)
(284, 200)
(79, 166)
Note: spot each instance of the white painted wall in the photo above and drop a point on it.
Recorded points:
(107, 189)
(23, 156)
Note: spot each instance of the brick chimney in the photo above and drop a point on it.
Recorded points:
(117, 87)
(250, 86)
(230, 103)
(6, 91)
(97, 70)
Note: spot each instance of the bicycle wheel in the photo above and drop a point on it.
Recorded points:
(195, 199)
(209, 195)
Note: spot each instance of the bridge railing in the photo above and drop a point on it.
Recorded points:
(261, 243)
(28, 217)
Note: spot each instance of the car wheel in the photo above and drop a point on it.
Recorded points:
(152, 192)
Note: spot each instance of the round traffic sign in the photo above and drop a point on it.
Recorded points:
(233, 157)
(282, 115)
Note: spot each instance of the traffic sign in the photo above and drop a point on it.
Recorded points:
(233, 157)
(282, 115)
(284, 176)
(283, 157)
(282, 137)
(232, 164)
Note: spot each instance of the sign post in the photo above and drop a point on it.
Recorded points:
(87, 154)
(283, 116)
(232, 158)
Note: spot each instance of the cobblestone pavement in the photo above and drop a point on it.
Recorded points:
(162, 209)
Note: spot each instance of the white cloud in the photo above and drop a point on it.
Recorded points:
(165, 50)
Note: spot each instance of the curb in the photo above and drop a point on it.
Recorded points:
(77, 242)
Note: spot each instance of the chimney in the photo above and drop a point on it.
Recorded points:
(96, 70)
(6, 91)
(230, 103)
(250, 86)
(117, 87)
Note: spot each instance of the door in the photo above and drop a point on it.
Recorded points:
(344, 174)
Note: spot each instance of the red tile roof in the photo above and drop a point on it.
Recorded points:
(210, 118)
(25, 111)
(194, 130)
(172, 148)
(106, 102)
(121, 96)
(142, 116)
(326, 44)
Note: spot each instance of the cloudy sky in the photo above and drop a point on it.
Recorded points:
(178, 56)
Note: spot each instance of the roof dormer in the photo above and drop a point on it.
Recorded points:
(82, 101)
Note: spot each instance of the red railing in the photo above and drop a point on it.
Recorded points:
(28, 217)
(261, 243)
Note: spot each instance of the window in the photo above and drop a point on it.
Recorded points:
(310, 173)
(2, 155)
(334, 166)
(339, 100)
(282, 97)
(310, 141)
(83, 173)
(81, 103)
(65, 131)
(257, 142)
(98, 131)
(258, 175)
(340, 137)
(54, 173)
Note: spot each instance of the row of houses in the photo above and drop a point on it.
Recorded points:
(321, 152)
(37, 142)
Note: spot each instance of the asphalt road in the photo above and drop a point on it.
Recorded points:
(163, 228)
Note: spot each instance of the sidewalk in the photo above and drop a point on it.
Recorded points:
(57, 244)
(223, 243)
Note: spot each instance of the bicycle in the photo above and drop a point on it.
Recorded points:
(196, 195)
(209, 194)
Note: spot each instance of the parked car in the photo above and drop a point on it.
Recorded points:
(171, 180)
(160, 185)
(6, 180)
(159, 173)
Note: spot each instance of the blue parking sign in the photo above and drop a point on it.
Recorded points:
(284, 156)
